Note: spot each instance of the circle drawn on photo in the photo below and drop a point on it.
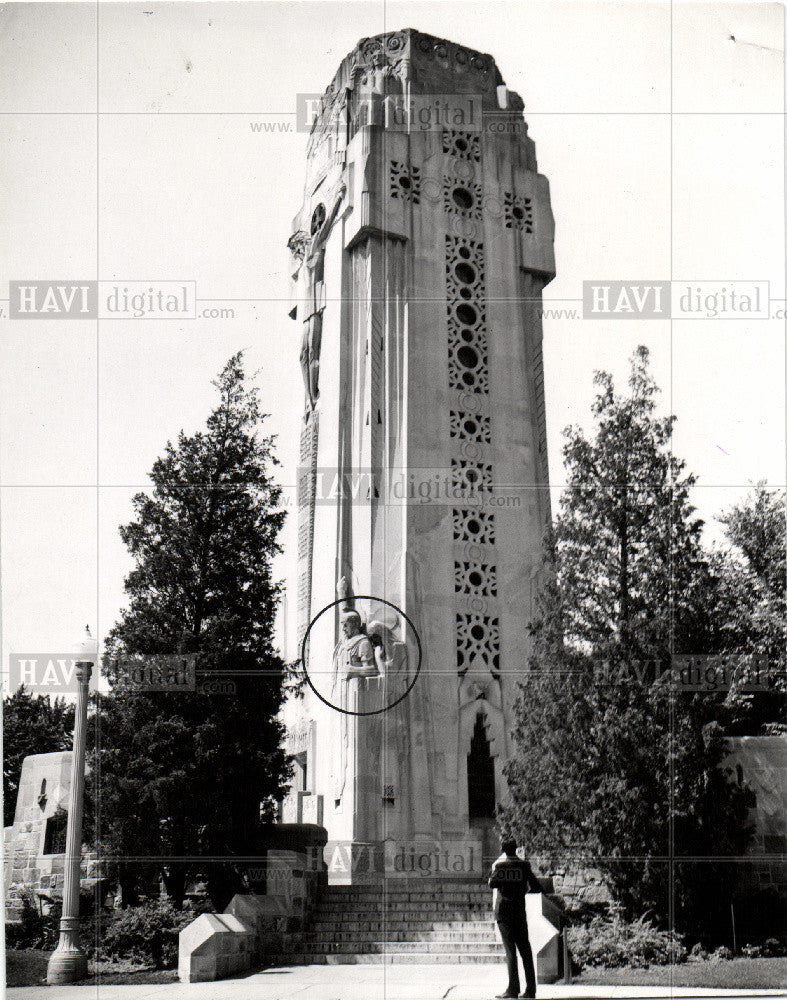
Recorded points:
(410, 686)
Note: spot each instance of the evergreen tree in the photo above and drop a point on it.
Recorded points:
(614, 768)
(190, 774)
(628, 541)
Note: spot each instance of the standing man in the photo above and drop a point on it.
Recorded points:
(511, 879)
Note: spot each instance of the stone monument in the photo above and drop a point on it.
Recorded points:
(419, 256)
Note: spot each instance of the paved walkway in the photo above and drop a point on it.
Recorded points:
(365, 982)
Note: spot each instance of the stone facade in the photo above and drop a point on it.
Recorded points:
(419, 258)
(761, 763)
(42, 801)
(34, 847)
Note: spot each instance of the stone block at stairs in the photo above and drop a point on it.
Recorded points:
(543, 925)
(266, 915)
(214, 946)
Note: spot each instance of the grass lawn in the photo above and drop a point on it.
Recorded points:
(109, 975)
(743, 973)
(28, 968)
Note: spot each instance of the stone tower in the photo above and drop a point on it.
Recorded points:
(420, 253)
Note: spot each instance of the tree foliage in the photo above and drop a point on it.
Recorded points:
(627, 543)
(180, 774)
(750, 607)
(613, 767)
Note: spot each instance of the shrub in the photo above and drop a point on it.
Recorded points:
(722, 954)
(752, 951)
(774, 948)
(582, 912)
(147, 934)
(31, 929)
(42, 930)
(616, 942)
(758, 912)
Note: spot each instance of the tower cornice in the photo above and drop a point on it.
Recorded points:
(421, 63)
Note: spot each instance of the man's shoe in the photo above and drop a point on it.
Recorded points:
(527, 996)
(506, 996)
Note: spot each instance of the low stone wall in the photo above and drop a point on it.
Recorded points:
(254, 924)
(580, 885)
(761, 763)
(213, 947)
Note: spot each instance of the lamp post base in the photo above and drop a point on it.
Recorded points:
(67, 963)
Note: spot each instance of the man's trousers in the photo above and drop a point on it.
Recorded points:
(514, 935)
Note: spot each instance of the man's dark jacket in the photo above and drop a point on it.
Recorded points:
(513, 878)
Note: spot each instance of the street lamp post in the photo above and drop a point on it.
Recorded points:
(68, 962)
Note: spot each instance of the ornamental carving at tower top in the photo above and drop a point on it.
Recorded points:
(384, 64)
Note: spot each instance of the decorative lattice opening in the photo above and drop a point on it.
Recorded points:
(477, 638)
(462, 198)
(468, 368)
(462, 145)
(464, 269)
(474, 526)
(518, 212)
(471, 477)
(475, 579)
(471, 427)
(405, 182)
(468, 363)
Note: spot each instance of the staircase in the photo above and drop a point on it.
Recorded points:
(414, 921)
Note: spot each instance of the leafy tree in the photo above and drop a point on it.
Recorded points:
(31, 724)
(185, 774)
(613, 767)
(750, 603)
(757, 527)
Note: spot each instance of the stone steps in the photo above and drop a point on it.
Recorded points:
(399, 922)
(414, 958)
(386, 927)
(386, 934)
(433, 906)
(388, 902)
(398, 947)
(423, 894)
(411, 882)
(406, 919)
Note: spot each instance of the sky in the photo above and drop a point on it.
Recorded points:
(129, 153)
